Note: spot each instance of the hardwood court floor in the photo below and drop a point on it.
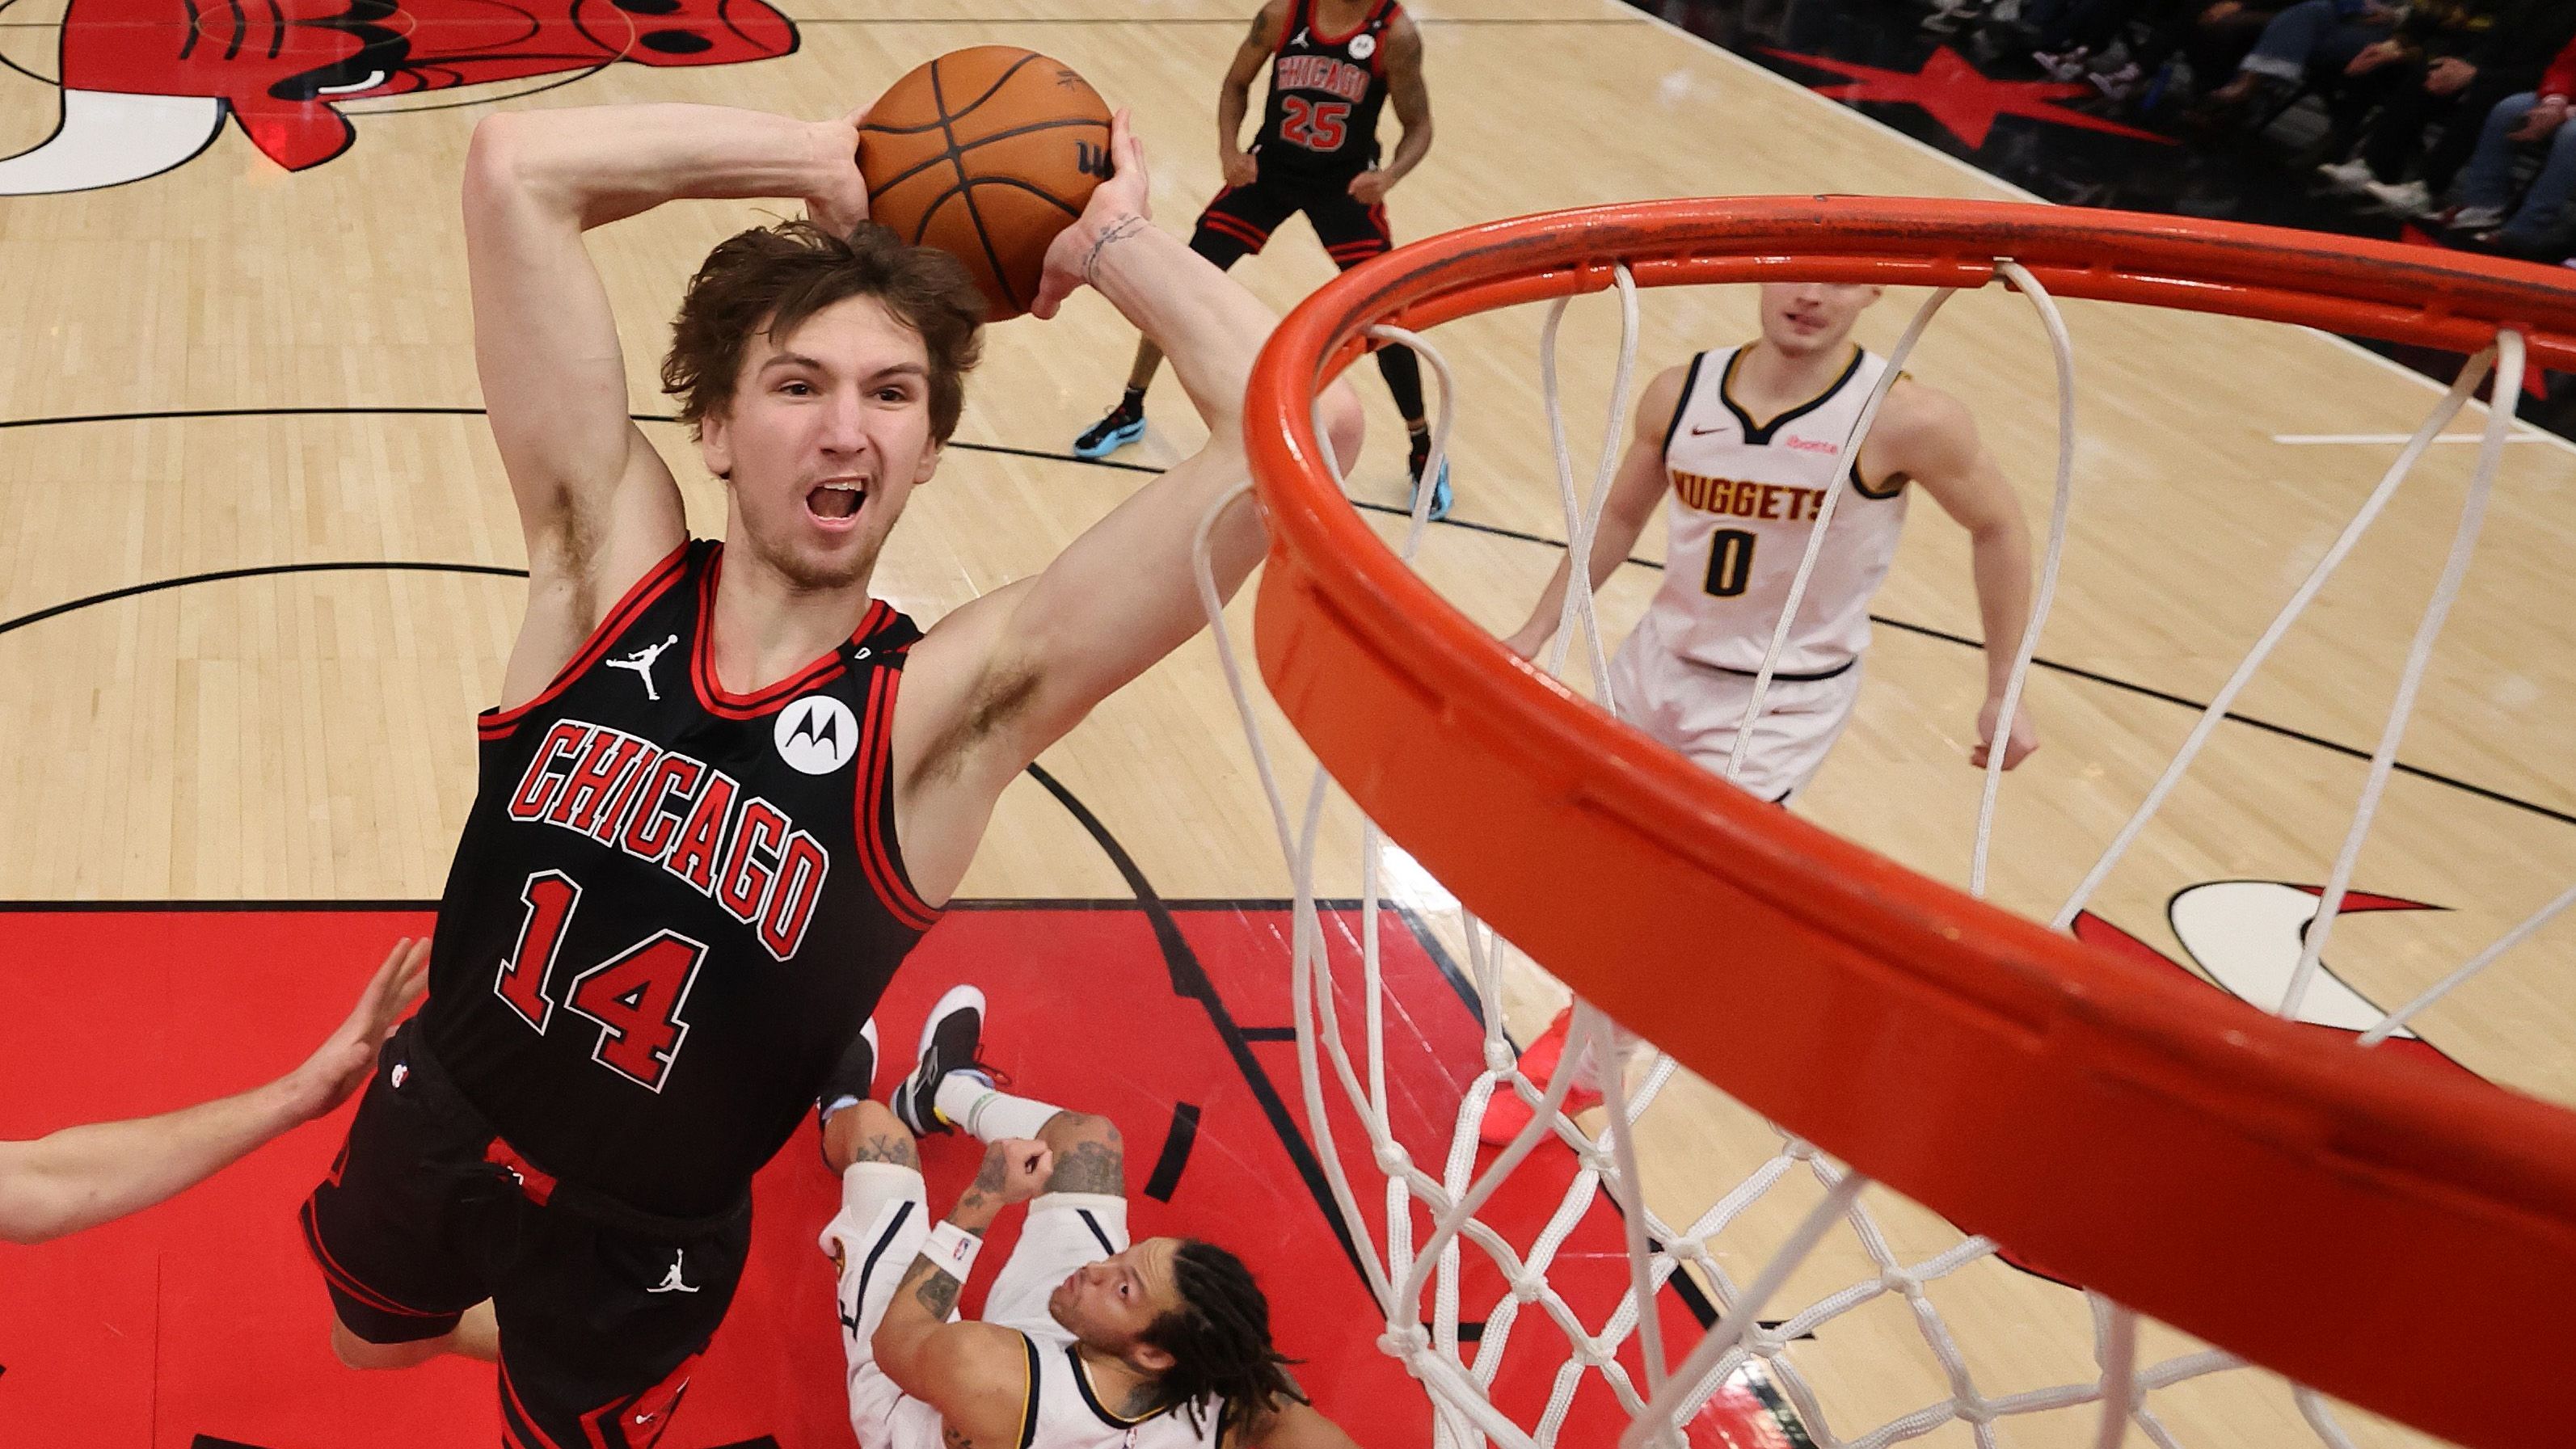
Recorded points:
(234, 371)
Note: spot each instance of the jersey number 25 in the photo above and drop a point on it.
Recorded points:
(633, 997)
(1315, 125)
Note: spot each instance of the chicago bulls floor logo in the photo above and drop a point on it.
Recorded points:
(146, 84)
(2248, 936)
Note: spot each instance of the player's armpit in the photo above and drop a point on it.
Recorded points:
(981, 1379)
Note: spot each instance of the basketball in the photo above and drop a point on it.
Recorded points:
(986, 153)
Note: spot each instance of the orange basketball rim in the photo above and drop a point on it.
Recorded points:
(2358, 1221)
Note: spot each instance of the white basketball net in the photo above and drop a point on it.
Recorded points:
(1403, 1272)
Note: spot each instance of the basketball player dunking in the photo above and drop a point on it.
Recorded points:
(1333, 65)
(1087, 1340)
(1746, 440)
(726, 791)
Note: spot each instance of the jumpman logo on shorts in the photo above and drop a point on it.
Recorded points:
(641, 661)
(671, 1282)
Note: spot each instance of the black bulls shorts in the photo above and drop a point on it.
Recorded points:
(427, 1213)
(1239, 222)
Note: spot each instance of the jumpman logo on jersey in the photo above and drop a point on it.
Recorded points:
(671, 1281)
(641, 661)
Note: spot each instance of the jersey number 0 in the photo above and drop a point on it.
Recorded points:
(633, 997)
(1730, 563)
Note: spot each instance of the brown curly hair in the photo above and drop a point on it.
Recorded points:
(770, 279)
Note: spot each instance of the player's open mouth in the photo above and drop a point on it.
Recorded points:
(835, 504)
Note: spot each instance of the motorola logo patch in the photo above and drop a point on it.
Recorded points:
(817, 734)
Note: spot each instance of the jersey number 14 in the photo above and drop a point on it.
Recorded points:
(633, 997)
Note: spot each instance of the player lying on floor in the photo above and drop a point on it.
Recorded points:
(1087, 1341)
(83, 1176)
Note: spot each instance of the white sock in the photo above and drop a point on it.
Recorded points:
(970, 1100)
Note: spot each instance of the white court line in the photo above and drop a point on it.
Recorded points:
(2392, 440)
(1962, 164)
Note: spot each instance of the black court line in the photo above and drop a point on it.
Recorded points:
(1177, 1141)
(1190, 980)
(2073, 671)
(262, 571)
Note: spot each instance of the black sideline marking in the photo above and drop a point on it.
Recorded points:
(1176, 1152)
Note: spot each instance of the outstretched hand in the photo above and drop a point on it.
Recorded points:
(841, 208)
(342, 1063)
(2017, 745)
(1121, 201)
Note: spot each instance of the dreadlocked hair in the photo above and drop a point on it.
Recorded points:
(1219, 1340)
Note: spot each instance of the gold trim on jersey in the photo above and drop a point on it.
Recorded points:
(1029, 1396)
(1107, 1415)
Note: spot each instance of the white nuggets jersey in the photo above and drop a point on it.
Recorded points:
(1068, 1415)
(1745, 495)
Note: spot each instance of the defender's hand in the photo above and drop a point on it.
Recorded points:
(342, 1063)
(1239, 167)
(844, 204)
(1118, 205)
(1369, 187)
(1023, 1167)
(2017, 746)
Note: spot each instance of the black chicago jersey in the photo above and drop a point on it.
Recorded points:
(672, 906)
(1325, 94)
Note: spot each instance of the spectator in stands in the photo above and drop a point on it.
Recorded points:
(2534, 117)
(2075, 38)
(2431, 119)
(2310, 42)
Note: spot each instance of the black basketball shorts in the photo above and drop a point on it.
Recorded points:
(426, 1213)
(1239, 222)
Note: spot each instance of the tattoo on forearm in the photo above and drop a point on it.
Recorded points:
(988, 1178)
(896, 1148)
(1119, 230)
(955, 1440)
(930, 1286)
(1089, 1166)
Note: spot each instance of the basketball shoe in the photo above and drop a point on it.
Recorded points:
(853, 1077)
(1124, 424)
(949, 1041)
(1441, 497)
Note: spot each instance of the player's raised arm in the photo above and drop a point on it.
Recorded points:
(596, 503)
(1234, 93)
(999, 680)
(1934, 441)
(1634, 491)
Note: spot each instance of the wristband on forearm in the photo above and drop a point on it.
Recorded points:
(951, 1249)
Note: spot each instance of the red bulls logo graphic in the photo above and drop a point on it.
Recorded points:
(2248, 935)
(147, 83)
